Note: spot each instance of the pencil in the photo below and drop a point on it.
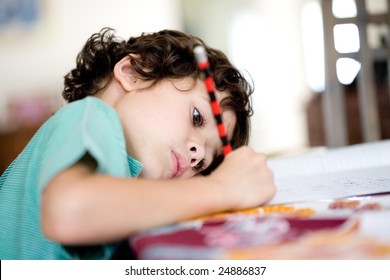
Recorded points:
(204, 65)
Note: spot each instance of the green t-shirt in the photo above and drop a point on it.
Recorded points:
(85, 126)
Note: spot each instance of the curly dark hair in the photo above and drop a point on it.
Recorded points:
(166, 54)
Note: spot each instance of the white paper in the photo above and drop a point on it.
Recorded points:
(320, 161)
(350, 171)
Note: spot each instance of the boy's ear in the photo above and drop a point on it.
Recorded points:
(123, 73)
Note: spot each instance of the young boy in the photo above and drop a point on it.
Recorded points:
(129, 151)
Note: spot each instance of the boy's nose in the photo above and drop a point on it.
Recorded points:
(197, 154)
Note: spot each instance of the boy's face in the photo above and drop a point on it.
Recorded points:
(172, 132)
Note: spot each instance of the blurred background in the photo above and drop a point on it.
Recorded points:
(320, 68)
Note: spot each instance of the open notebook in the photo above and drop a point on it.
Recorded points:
(332, 173)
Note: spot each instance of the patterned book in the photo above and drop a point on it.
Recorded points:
(352, 228)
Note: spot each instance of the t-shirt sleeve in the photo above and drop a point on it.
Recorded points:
(87, 126)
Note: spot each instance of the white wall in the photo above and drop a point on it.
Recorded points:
(279, 123)
(35, 59)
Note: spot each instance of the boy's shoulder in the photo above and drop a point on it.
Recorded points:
(86, 101)
(85, 106)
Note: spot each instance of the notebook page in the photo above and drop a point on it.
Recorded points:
(350, 171)
(332, 185)
(322, 161)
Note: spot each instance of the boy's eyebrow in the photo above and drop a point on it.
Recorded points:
(206, 97)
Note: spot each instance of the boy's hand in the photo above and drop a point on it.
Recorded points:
(245, 179)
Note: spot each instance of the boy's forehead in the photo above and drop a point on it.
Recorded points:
(218, 94)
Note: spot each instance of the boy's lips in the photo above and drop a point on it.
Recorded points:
(179, 166)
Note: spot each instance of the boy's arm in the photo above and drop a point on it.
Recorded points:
(82, 207)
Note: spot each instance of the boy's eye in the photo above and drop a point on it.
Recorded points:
(197, 118)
